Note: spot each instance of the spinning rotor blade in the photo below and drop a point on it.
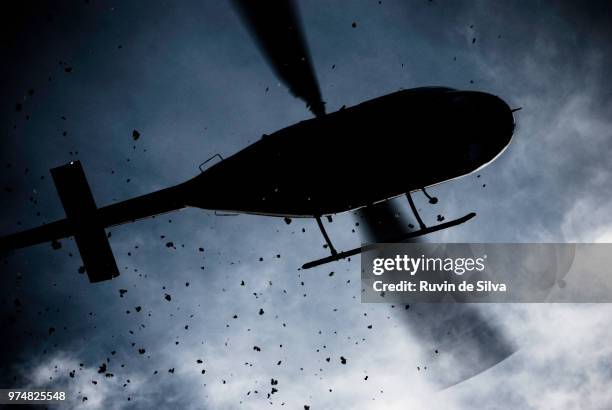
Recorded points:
(383, 221)
(276, 26)
(458, 340)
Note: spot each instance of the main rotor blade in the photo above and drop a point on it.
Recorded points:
(276, 26)
(383, 221)
(465, 342)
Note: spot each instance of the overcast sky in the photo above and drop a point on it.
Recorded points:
(79, 76)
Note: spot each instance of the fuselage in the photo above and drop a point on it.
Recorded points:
(360, 155)
(345, 160)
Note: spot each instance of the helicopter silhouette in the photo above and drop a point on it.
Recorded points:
(409, 140)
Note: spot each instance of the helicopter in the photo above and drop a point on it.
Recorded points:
(409, 140)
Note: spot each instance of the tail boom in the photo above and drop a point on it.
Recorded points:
(87, 223)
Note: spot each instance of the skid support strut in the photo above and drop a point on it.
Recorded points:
(423, 230)
(324, 232)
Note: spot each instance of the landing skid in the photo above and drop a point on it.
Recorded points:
(424, 230)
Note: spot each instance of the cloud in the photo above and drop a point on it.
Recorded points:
(562, 364)
(85, 386)
(189, 79)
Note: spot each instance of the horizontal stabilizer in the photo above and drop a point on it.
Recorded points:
(83, 215)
